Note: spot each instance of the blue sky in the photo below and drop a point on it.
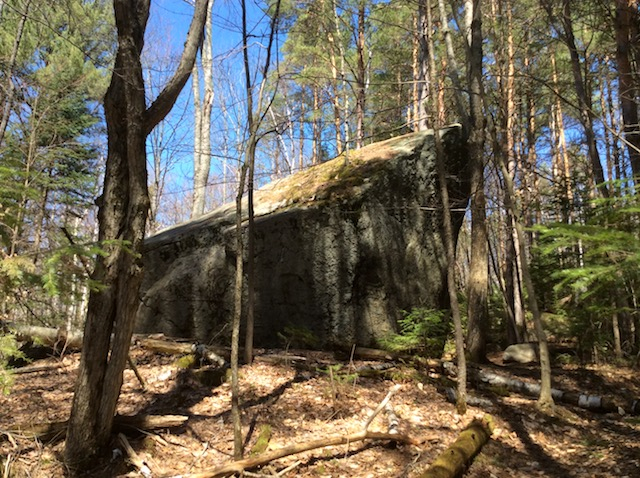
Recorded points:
(166, 33)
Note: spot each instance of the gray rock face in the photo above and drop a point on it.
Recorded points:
(521, 353)
(341, 249)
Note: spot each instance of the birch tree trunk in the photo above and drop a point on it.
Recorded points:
(202, 111)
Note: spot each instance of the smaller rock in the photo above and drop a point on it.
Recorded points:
(521, 353)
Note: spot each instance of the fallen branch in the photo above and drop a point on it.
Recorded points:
(37, 368)
(383, 403)
(132, 366)
(260, 460)
(264, 458)
(455, 459)
(56, 431)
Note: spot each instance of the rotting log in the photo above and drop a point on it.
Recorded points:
(56, 431)
(459, 456)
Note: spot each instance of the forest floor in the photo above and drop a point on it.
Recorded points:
(304, 406)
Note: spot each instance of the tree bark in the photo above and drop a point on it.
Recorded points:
(422, 73)
(122, 216)
(479, 268)
(545, 400)
(449, 238)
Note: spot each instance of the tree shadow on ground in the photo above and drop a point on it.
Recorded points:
(187, 393)
(514, 417)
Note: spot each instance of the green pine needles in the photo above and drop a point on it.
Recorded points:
(591, 269)
(9, 349)
(423, 331)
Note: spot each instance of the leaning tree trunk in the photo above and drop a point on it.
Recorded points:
(122, 217)
(587, 115)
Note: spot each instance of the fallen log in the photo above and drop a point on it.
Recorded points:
(209, 353)
(594, 403)
(48, 336)
(57, 431)
(455, 459)
(365, 353)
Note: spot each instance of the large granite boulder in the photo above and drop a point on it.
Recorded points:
(341, 250)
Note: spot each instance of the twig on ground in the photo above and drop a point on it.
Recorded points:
(134, 458)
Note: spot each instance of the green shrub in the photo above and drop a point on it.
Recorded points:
(9, 349)
(422, 331)
(298, 337)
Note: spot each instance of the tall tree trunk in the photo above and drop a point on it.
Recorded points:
(452, 65)
(197, 202)
(337, 117)
(361, 75)
(10, 87)
(506, 73)
(122, 217)
(422, 66)
(202, 140)
(479, 268)
(612, 116)
(626, 14)
(562, 163)
(546, 400)
(587, 114)
(343, 77)
(449, 238)
(317, 130)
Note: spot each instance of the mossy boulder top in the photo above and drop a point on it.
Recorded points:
(341, 249)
